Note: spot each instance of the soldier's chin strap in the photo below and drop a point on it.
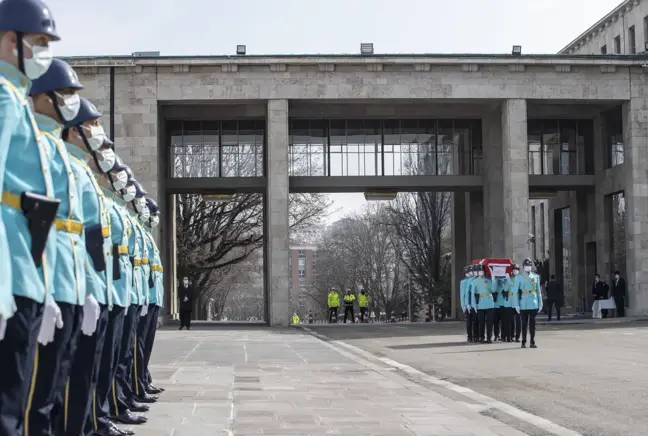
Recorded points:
(92, 152)
(21, 51)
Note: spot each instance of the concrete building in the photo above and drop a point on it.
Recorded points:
(566, 127)
(303, 260)
(622, 31)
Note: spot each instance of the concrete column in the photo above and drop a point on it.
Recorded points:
(602, 222)
(579, 219)
(476, 223)
(493, 185)
(635, 123)
(459, 246)
(277, 233)
(515, 179)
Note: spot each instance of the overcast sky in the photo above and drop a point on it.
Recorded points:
(215, 27)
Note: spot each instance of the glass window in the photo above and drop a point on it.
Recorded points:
(617, 44)
(534, 138)
(534, 231)
(301, 253)
(614, 129)
(308, 139)
(632, 40)
(559, 147)
(604, 49)
(645, 29)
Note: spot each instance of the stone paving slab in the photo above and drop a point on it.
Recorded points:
(286, 382)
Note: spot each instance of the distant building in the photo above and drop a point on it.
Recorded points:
(302, 265)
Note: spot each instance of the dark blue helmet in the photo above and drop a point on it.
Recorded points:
(87, 111)
(27, 16)
(527, 262)
(516, 266)
(140, 192)
(119, 166)
(152, 205)
(60, 75)
(108, 143)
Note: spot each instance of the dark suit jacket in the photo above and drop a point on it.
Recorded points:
(600, 291)
(555, 292)
(619, 289)
(186, 292)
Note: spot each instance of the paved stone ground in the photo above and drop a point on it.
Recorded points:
(261, 381)
(591, 378)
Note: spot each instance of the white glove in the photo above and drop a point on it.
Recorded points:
(185, 299)
(463, 308)
(51, 318)
(3, 328)
(144, 310)
(517, 309)
(91, 313)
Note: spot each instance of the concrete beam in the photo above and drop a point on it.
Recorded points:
(215, 185)
(335, 184)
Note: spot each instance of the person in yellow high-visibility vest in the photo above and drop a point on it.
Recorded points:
(363, 302)
(295, 318)
(333, 304)
(349, 300)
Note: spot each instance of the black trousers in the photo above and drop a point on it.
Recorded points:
(363, 311)
(80, 382)
(121, 392)
(50, 374)
(550, 305)
(529, 321)
(154, 312)
(474, 319)
(143, 336)
(185, 318)
(497, 320)
(469, 324)
(516, 324)
(486, 323)
(506, 318)
(107, 370)
(620, 306)
(333, 313)
(17, 356)
(349, 310)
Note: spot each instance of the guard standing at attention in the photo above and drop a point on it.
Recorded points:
(333, 304)
(529, 300)
(516, 319)
(506, 301)
(56, 102)
(349, 300)
(28, 207)
(464, 288)
(156, 295)
(483, 300)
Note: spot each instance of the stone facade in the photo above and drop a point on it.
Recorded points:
(501, 90)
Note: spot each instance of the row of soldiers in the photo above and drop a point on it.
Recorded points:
(508, 305)
(80, 273)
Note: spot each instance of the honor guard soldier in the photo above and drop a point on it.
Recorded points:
(28, 207)
(122, 284)
(516, 320)
(91, 149)
(472, 269)
(56, 102)
(121, 402)
(506, 299)
(156, 296)
(529, 300)
(482, 299)
(464, 288)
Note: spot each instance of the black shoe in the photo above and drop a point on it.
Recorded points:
(137, 407)
(180, 328)
(533, 345)
(154, 389)
(146, 398)
(523, 345)
(112, 430)
(517, 339)
(129, 418)
(489, 341)
(509, 340)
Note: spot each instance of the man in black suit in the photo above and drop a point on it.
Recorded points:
(600, 292)
(185, 293)
(619, 293)
(555, 297)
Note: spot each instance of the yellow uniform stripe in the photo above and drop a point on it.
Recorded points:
(32, 387)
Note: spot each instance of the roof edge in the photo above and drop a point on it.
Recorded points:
(600, 22)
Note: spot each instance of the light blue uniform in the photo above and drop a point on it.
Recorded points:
(135, 250)
(95, 213)
(26, 169)
(505, 295)
(69, 284)
(120, 231)
(464, 296)
(146, 267)
(526, 287)
(156, 293)
(482, 286)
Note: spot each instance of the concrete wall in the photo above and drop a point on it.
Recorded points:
(631, 13)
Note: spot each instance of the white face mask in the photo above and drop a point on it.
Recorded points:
(120, 179)
(40, 61)
(130, 194)
(467, 275)
(139, 204)
(95, 136)
(516, 272)
(145, 214)
(185, 282)
(70, 107)
(155, 221)
(481, 273)
(527, 269)
(106, 159)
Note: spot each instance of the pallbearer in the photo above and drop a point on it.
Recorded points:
(27, 196)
